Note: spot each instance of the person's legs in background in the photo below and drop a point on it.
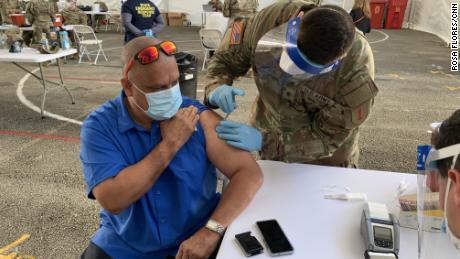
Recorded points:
(98, 20)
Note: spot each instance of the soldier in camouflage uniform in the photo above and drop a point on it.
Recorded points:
(218, 6)
(72, 15)
(299, 117)
(8, 7)
(40, 14)
(54, 6)
(240, 8)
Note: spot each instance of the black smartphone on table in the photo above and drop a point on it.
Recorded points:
(274, 238)
(249, 244)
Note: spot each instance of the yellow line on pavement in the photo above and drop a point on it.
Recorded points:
(15, 243)
(454, 88)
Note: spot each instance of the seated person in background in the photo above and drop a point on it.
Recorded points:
(72, 15)
(361, 15)
(140, 18)
(149, 158)
(448, 176)
(218, 6)
(99, 18)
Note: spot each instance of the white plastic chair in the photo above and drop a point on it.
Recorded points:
(210, 40)
(86, 37)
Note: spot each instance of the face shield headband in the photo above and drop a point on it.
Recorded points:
(435, 155)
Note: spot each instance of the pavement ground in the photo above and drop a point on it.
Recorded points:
(42, 191)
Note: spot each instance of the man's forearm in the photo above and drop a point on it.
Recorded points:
(158, 25)
(237, 196)
(127, 18)
(136, 180)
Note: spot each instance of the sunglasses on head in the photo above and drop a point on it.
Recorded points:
(150, 54)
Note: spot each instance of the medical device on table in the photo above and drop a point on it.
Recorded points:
(380, 232)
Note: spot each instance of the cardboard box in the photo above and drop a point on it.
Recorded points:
(165, 18)
(176, 19)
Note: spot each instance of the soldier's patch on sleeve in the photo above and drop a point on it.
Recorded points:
(354, 117)
(237, 33)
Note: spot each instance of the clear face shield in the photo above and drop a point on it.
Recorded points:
(434, 240)
(293, 61)
(278, 57)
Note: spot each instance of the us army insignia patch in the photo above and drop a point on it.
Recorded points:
(237, 33)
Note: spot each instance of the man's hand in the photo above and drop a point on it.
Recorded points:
(177, 130)
(199, 246)
(224, 97)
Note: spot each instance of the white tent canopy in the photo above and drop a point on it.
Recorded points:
(429, 16)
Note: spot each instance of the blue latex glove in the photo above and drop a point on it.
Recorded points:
(224, 97)
(240, 136)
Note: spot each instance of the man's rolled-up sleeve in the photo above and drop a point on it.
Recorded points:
(99, 155)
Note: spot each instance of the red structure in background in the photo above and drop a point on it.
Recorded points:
(377, 13)
(395, 14)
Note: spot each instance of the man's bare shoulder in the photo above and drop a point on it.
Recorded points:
(209, 120)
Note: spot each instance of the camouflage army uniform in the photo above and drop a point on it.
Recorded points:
(240, 8)
(74, 16)
(54, 6)
(8, 7)
(316, 121)
(217, 5)
(40, 14)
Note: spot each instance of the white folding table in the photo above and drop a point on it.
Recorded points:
(14, 27)
(30, 55)
(293, 194)
(93, 13)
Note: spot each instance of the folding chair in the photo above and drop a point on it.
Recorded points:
(85, 37)
(210, 40)
(114, 19)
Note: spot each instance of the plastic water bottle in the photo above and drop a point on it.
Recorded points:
(3, 40)
(64, 37)
(44, 41)
(422, 154)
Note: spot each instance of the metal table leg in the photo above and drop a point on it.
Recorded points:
(62, 81)
(43, 81)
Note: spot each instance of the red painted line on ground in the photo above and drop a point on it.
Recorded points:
(38, 136)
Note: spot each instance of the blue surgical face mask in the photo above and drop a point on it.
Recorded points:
(163, 104)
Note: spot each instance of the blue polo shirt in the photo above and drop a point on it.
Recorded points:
(178, 204)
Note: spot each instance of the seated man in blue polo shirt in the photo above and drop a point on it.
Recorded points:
(149, 158)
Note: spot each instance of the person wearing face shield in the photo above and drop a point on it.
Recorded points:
(441, 179)
(149, 158)
(315, 76)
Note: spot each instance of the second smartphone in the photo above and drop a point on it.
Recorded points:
(274, 237)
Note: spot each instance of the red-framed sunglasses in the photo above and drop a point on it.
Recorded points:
(150, 54)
